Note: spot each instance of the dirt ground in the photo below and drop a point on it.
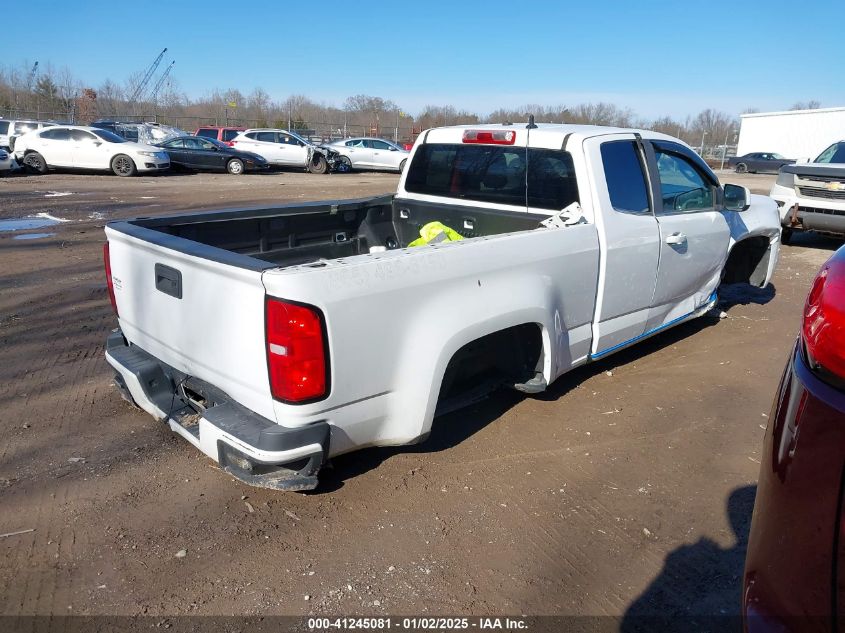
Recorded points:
(627, 488)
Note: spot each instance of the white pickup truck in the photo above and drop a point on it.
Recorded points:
(275, 338)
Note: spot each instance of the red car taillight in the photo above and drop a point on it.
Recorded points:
(823, 328)
(109, 282)
(296, 351)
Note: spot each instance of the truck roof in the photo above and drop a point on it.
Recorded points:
(544, 135)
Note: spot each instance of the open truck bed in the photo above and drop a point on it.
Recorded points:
(263, 238)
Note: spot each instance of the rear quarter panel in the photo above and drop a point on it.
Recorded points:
(395, 319)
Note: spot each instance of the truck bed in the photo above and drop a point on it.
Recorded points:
(264, 238)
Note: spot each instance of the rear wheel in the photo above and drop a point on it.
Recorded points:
(319, 165)
(123, 166)
(235, 167)
(35, 163)
(346, 162)
(741, 168)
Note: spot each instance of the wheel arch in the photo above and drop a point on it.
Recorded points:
(748, 261)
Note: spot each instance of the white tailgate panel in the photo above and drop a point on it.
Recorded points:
(215, 332)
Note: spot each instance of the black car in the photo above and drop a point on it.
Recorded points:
(208, 154)
(758, 161)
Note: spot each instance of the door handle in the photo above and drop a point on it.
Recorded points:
(676, 238)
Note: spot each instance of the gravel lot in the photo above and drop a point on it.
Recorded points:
(627, 488)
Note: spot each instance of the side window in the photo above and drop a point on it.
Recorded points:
(267, 137)
(56, 134)
(81, 135)
(623, 172)
(193, 143)
(252, 135)
(176, 143)
(683, 188)
(207, 132)
(4, 127)
(25, 126)
(380, 145)
(228, 135)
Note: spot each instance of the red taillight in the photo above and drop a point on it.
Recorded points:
(296, 351)
(823, 328)
(230, 143)
(493, 137)
(109, 282)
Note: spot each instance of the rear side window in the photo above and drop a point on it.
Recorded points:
(623, 172)
(228, 135)
(23, 128)
(4, 127)
(56, 134)
(267, 137)
(207, 133)
(489, 173)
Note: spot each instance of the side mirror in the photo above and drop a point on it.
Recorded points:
(97, 143)
(736, 198)
(393, 149)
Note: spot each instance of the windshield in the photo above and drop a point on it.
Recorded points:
(299, 138)
(833, 154)
(109, 137)
(217, 143)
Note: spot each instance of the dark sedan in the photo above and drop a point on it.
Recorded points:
(758, 161)
(795, 564)
(208, 154)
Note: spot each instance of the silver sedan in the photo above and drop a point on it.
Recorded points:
(371, 153)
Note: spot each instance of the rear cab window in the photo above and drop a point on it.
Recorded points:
(495, 174)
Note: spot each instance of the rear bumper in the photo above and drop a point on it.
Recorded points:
(252, 448)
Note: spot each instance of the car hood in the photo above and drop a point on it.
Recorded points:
(836, 170)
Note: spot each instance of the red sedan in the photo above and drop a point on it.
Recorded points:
(795, 563)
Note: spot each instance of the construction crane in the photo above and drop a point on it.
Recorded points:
(160, 82)
(142, 86)
(31, 77)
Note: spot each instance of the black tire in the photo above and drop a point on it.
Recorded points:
(35, 163)
(235, 167)
(402, 165)
(741, 168)
(123, 166)
(347, 162)
(785, 235)
(319, 165)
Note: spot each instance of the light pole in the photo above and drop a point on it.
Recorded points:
(703, 134)
(724, 149)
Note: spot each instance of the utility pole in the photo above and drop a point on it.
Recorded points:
(703, 134)
(725, 149)
(290, 108)
(396, 131)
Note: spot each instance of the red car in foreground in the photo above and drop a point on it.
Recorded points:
(795, 564)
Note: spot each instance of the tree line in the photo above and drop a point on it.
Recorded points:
(58, 94)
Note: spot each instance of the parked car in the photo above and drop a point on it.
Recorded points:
(758, 161)
(222, 134)
(407, 146)
(371, 153)
(329, 332)
(204, 154)
(149, 133)
(7, 162)
(286, 149)
(794, 563)
(80, 147)
(10, 130)
(811, 196)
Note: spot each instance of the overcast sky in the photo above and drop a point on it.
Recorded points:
(655, 57)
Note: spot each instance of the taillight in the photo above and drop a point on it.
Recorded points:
(493, 137)
(109, 282)
(296, 351)
(823, 328)
(230, 143)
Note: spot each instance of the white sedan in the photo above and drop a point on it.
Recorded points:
(371, 153)
(81, 147)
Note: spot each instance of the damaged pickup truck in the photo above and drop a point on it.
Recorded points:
(275, 338)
